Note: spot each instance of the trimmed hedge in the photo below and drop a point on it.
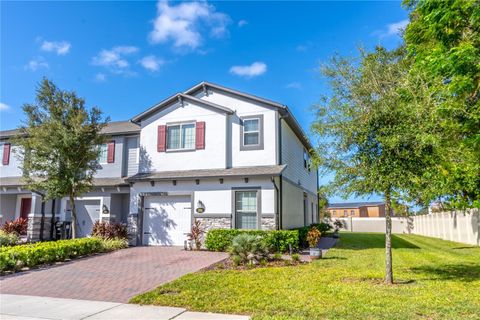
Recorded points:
(276, 240)
(30, 255)
(302, 232)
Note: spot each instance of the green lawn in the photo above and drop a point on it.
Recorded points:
(436, 279)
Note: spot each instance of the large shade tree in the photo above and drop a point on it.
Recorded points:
(58, 142)
(443, 42)
(373, 130)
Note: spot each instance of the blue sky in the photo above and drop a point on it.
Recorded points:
(126, 56)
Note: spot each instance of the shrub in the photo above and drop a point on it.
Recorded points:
(114, 244)
(276, 240)
(196, 234)
(313, 236)
(248, 248)
(322, 227)
(18, 226)
(295, 257)
(30, 255)
(8, 239)
(109, 230)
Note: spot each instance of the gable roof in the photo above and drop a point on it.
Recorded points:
(204, 85)
(180, 97)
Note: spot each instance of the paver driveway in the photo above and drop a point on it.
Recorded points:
(116, 276)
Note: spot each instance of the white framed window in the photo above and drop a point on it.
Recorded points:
(246, 213)
(306, 160)
(102, 156)
(181, 136)
(352, 212)
(251, 132)
(345, 213)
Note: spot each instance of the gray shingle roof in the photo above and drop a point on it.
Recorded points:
(98, 182)
(112, 128)
(351, 205)
(11, 182)
(274, 170)
(283, 109)
(121, 127)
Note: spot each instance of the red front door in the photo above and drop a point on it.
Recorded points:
(25, 207)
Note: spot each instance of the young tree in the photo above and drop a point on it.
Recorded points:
(373, 134)
(58, 143)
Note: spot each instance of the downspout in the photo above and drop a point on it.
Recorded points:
(280, 210)
(277, 191)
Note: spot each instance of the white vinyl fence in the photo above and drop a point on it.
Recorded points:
(454, 226)
(353, 224)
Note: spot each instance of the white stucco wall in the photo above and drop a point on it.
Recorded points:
(244, 107)
(213, 156)
(216, 197)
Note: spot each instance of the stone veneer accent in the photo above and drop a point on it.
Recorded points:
(33, 230)
(268, 223)
(215, 223)
(132, 229)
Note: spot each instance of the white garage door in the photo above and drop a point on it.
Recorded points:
(166, 220)
(88, 211)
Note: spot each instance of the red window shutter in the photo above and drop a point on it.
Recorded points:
(162, 138)
(200, 135)
(6, 154)
(111, 152)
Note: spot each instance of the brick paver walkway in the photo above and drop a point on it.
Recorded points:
(116, 276)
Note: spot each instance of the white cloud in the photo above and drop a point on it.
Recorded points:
(184, 23)
(4, 107)
(294, 85)
(100, 77)
(115, 58)
(151, 63)
(392, 29)
(249, 71)
(60, 48)
(242, 23)
(37, 63)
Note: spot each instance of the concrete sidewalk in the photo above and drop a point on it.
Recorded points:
(40, 308)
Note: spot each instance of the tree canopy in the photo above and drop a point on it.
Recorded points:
(58, 143)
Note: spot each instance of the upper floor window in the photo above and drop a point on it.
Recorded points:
(103, 155)
(181, 136)
(345, 213)
(251, 134)
(306, 160)
(352, 212)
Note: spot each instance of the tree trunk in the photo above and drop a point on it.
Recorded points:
(74, 216)
(388, 239)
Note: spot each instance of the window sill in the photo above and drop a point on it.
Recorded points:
(179, 150)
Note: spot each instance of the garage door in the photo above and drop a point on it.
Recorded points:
(88, 211)
(167, 220)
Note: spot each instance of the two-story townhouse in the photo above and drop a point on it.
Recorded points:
(226, 158)
(109, 200)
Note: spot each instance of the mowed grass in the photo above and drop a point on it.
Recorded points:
(435, 279)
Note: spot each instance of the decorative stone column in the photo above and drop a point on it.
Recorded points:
(132, 229)
(35, 220)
